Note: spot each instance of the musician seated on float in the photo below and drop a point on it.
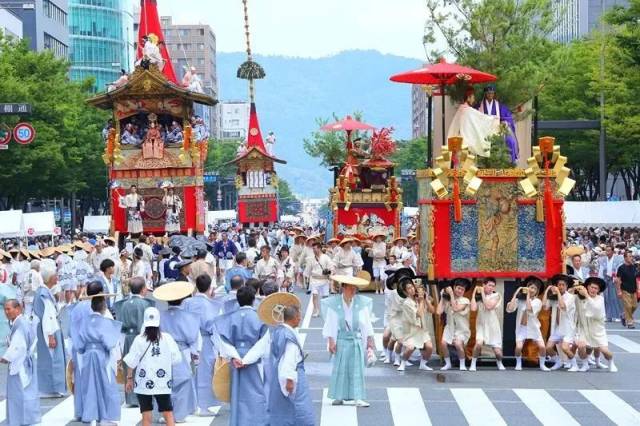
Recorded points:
(175, 134)
(130, 135)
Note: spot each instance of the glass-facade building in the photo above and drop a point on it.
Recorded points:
(101, 35)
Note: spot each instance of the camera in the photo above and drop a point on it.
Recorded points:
(326, 272)
(522, 295)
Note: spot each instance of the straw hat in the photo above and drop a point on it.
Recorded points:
(379, 234)
(113, 240)
(271, 308)
(346, 279)
(69, 376)
(25, 253)
(35, 254)
(87, 247)
(221, 384)
(573, 250)
(399, 239)
(297, 236)
(333, 240)
(47, 252)
(346, 240)
(365, 275)
(5, 254)
(175, 290)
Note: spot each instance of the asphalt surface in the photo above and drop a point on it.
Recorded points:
(485, 397)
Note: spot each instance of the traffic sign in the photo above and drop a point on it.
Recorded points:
(57, 231)
(5, 134)
(66, 216)
(209, 178)
(11, 109)
(24, 133)
(31, 232)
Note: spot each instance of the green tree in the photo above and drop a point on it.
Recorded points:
(65, 156)
(507, 38)
(329, 147)
(219, 157)
(410, 155)
(289, 203)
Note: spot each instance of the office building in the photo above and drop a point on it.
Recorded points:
(193, 46)
(234, 120)
(577, 18)
(44, 24)
(419, 112)
(101, 35)
(10, 24)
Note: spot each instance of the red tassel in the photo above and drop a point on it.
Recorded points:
(457, 203)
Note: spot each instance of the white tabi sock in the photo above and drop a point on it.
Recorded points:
(518, 363)
(472, 367)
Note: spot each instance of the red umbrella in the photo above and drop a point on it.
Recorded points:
(347, 124)
(442, 74)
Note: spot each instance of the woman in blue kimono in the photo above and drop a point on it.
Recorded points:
(349, 331)
(97, 338)
(23, 401)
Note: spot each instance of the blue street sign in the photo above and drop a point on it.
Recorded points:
(67, 216)
(210, 178)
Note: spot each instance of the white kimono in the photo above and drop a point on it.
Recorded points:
(474, 127)
(487, 323)
(527, 323)
(563, 321)
(591, 326)
(457, 327)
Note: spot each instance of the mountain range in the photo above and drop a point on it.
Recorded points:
(296, 91)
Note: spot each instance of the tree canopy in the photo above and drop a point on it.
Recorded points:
(65, 156)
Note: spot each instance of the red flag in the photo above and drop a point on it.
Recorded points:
(255, 136)
(150, 24)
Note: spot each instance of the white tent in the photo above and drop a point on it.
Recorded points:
(97, 224)
(216, 216)
(410, 211)
(37, 224)
(11, 225)
(602, 213)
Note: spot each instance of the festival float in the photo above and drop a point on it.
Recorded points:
(256, 179)
(475, 222)
(155, 142)
(366, 199)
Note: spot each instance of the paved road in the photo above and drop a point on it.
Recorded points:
(486, 397)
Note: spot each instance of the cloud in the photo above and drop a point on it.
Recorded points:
(309, 28)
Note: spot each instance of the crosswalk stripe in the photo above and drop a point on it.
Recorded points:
(545, 407)
(613, 407)
(407, 407)
(307, 315)
(330, 415)
(476, 407)
(624, 343)
(3, 411)
(61, 414)
(130, 416)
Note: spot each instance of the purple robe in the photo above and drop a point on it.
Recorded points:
(503, 112)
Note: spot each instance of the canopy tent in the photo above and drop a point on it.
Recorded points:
(216, 216)
(37, 224)
(602, 213)
(97, 224)
(11, 225)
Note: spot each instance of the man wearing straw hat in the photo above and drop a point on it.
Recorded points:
(346, 260)
(319, 268)
(379, 254)
(184, 327)
(239, 331)
(348, 331)
(289, 400)
(51, 353)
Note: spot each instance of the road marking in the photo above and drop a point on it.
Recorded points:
(330, 415)
(477, 408)
(407, 407)
(3, 410)
(624, 343)
(302, 337)
(613, 407)
(61, 414)
(307, 315)
(377, 337)
(545, 407)
(130, 416)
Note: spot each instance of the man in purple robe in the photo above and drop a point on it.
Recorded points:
(490, 106)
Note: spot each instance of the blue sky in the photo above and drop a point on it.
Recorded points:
(309, 28)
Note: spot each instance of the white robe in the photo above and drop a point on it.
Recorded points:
(474, 127)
